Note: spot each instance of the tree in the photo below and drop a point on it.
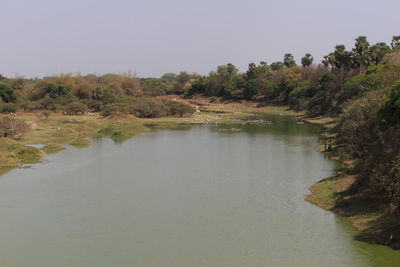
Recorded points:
(252, 71)
(358, 125)
(182, 83)
(18, 83)
(198, 86)
(8, 108)
(288, 60)
(7, 94)
(183, 77)
(169, 77)
(223, 81)
(275, 66)
(75, 108)
(390, 112)
(360, 52)
(377, 52)
(307, 60)
(82, 91)
(328, 60)
(155, 87)
(98, 93)
(131, 86)
(177, 108)
(56, 90)
(342, 59)
(396, 42)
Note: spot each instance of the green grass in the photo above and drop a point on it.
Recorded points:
(326, 193)
(367, 213)
(52, 148)
(60, 129)
(13, 153)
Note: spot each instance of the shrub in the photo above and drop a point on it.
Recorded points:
(154, 87)
(178, 108)
(148, 108)
(82, 91)
(390, 113)
(117, 134)
(49, 103)
(58, 90)
(94, 105)
(8, 108)
(11, 127)
(75, 108)
(110, 109)
(358, 125)
(45, 114)
(31, 105)
(385, 177)
(7, 94)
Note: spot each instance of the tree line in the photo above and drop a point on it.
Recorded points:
(108, 94)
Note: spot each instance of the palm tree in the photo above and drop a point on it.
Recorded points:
(307, 60)
(288, 60)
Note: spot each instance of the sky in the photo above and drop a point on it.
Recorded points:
(151, 37)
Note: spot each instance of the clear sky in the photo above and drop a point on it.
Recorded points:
(151, 37)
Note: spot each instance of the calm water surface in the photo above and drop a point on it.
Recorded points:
(212, 195)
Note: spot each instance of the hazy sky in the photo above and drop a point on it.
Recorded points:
(151, 37)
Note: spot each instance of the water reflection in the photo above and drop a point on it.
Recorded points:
(199, 197)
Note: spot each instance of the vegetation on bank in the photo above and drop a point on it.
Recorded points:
(359, 88)
(374, 217)
(54, 128)
(52, 148)
(13, 153)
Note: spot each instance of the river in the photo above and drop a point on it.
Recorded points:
(212, 195)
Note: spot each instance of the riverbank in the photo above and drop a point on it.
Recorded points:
(373, 218)
(342, 195)
(57, 129)
(334, 194)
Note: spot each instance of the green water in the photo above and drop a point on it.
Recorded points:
(212, 195)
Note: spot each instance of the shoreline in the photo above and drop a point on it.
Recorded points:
(341, 195)
(57, 129)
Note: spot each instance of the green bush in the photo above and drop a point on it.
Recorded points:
(7, 94)
(154, 87)
(55, 90)
(117, 134)
(148, 108)
(75, 108)
(31, 105)
(8, 108)
(178, 108)
(94, 105)
(111, 109)
(358, 126)
(390, 113)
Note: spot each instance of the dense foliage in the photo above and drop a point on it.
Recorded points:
(109, 94)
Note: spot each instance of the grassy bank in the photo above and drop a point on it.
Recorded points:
(57, 129)
(342, 195)
(372, 217)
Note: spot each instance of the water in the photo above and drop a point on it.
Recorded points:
(213, 195)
